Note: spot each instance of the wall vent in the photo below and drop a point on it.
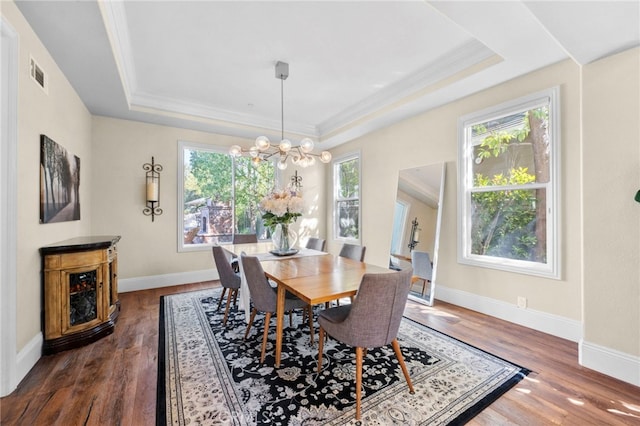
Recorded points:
(38, 75)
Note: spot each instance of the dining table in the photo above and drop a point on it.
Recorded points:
(315, 277)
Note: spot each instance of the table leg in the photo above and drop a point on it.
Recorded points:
(279, 322)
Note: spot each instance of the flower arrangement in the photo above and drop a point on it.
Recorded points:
(281, 207)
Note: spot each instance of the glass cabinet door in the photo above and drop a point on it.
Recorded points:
(83, 291)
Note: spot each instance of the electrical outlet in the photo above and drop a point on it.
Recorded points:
(522, 302)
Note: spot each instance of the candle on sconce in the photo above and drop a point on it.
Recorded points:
(416, 237)
(152, 189)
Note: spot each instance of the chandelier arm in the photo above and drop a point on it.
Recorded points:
(268, 155)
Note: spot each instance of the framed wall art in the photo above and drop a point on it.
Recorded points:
(59, 183)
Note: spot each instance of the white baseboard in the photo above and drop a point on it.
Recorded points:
(551, 324)
(28, 357)
(607, 361)
(166, 280)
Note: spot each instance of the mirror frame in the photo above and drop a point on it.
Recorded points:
(436, 243)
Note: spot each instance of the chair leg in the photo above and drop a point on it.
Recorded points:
(358, 380)
(235, 297)
(226, 311)
(224, 290)
(396, 349)
(267, 320)
(320, 347)
(251, 318)
(310, 313)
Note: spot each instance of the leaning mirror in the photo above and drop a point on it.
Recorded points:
(416, 227)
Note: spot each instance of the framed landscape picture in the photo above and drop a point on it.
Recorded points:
(59, 183)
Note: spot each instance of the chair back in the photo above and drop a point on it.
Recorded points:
(244, 238)
(421, 265)
(228, 278)
(353, 251)
(316, 243)
(377, 309)
(262, 295)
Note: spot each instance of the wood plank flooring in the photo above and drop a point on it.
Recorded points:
(113, 381)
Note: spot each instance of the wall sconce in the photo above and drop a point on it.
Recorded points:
(414, 239)
(152, 186)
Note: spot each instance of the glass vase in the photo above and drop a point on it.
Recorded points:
(283, 238)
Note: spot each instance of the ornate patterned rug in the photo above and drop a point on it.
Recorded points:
(208, 375)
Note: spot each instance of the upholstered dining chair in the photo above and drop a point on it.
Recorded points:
(353, 251)
(371, 321)
(422, 269)
(228, 279)
(244, 238)
(264, 298)
(316, 243)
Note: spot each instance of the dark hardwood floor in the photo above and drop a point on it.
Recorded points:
(113, 381)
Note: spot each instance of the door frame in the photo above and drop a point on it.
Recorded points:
(8, 205)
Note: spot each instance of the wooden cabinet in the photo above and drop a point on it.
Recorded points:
(80, 288)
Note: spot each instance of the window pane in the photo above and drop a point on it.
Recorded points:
(349, 179)
(348, 214)
(207, 197)
(512, 150)
(253, 181)
(509, 224)
(215, 185)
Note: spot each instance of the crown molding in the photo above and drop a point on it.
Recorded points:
(115, 23)
(465, 56)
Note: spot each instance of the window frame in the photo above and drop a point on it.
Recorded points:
(182, 146)
(336, 197)
(550, 269)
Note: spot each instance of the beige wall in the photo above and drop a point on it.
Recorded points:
(432, 137)
(147, 248)
(611, 170)
(63, 117)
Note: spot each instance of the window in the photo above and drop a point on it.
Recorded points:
(399, 220)
(508, 176)
(219, 195)
(346, 178)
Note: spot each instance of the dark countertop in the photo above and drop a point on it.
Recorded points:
(81, 244)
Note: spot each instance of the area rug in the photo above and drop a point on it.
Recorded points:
(207, 374)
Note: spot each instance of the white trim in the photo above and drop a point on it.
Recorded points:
(547, 323)
(166, 280)
(8, 207)
(460, 59)
(608, 361)
(29, 356)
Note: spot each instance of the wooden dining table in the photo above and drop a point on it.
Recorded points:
(314, 279)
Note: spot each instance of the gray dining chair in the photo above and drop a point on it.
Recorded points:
(244, 238)
(316, 243)
(264, 298)
(422, 269)
(228, 279)
(353, 251)
(371, 321)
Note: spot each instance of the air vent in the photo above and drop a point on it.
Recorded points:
(38, 75)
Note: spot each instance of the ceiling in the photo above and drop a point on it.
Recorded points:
(354, 66)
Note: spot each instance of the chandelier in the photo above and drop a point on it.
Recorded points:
(300, 155)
